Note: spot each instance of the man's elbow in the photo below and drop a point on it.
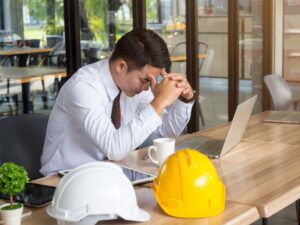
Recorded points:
(116, 156)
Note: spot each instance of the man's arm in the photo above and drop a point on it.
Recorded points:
(86, 104)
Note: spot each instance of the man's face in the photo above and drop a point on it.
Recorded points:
(136, 81)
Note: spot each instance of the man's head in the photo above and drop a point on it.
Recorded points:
(139, 57)
(140, 47)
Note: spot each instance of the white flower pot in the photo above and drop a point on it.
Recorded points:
(11, 217)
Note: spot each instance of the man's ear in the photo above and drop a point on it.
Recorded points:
(121, 66)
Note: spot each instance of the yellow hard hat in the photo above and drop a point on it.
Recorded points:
(188, 186)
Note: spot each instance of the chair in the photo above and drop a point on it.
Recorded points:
(10, 96)
(207, 62)
(281, 93)
(22, 139)
(52, 40)
(91, 55)
(56, 58)
(180, 49)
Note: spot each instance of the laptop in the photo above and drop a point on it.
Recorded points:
(217, 148)
(283, 117)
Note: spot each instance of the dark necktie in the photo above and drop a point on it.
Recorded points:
(116, 112)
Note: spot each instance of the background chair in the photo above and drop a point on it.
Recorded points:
(180, 49)
(205, 69)
(91, 55)
(281, 93)
(52, 40)
(56, 58)
(22, 139)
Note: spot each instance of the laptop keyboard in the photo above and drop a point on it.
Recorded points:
(213, 146)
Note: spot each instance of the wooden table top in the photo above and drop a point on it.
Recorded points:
(261, 175)
(234, 214)
(22, 51)
(294, 55)
(27, 74)
(262, 171)
(182, 58)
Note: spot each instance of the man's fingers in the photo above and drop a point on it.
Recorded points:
(152, 80)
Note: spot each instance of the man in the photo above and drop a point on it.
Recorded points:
(82, 125)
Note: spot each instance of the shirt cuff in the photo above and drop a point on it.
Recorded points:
(180, 104)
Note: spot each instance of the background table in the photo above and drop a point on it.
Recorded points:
(27, 74)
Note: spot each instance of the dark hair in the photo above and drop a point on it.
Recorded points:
(140, 47)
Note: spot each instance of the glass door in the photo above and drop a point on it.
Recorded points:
(167, 18)
(250, 50)
(213, 71)
(102, 23)
(37, 25)
(291, 40)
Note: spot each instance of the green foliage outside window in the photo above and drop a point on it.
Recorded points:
(38, 11)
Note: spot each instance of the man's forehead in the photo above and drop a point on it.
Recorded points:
(151, 69)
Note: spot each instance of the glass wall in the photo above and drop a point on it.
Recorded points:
(38, 27)
(167, 18)
(291, 40)
(250, 44)
(213, 74)
(102, 23)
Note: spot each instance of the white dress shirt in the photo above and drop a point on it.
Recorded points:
(80, 128)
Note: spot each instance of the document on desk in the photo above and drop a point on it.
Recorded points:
(291, 117)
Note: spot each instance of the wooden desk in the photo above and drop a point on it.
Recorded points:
(182, 58)
(234, 214)
(262, 171)
(294, 55)
(272, 132)
(27, 74)
(292, 31)
(23, 51)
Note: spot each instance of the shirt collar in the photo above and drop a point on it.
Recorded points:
(112, 89)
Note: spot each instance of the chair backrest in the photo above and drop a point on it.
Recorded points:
(207, 62)
(52, 40)
(180, 49)
(22, 139)
(280, 92)
(91, 55)
(56, 59)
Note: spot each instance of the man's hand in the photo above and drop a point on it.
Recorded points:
(181, 82)
(165, 93)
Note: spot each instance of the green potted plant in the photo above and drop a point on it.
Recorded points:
(12, 181)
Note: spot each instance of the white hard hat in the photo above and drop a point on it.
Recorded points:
(93, 192)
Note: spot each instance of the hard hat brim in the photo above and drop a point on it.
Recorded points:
(141, 216)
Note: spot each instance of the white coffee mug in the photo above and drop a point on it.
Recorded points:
(163, 148)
